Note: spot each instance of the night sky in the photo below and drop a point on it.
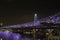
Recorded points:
(20, 11)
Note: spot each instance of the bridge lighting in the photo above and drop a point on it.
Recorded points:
(26, 25)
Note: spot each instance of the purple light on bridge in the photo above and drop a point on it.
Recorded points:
(36, 22)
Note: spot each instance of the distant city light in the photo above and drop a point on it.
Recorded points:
(1, 24)
(1, 39)
(35, 14)
(47, 33)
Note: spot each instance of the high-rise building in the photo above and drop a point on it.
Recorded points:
(35, 19)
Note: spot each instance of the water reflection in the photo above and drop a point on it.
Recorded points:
(7, 35)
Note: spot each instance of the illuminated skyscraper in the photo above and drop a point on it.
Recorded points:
(35, 19)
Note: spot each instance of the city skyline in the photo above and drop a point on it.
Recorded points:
(18, 11)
